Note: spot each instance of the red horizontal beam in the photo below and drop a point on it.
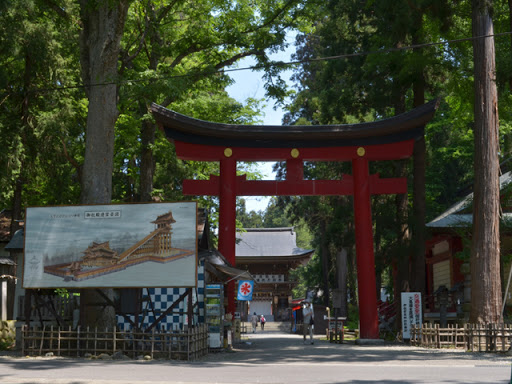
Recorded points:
(200, 152)
(294, 188)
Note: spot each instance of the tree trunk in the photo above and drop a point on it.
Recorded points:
(147, 161)
(418, 233)
(485, 250)
(102, 29)
(507, 138)
(341, 263)
(19, 183)
(402, 281)
(325, 256)
(510, 26)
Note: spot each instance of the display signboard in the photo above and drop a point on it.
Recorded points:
(411, 312)
(109, 246)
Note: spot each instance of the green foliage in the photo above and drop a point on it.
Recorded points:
(353, 317)
(306, 277)
(38, 123)
(171, 54)
(384, 82)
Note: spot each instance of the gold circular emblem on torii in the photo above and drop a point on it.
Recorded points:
(295, 153)
(361, 151)
(228, 152)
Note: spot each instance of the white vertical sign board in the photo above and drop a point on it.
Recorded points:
(411, 312)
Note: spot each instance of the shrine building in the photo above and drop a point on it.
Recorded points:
(269, 254)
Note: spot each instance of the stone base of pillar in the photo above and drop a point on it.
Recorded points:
(369, 342)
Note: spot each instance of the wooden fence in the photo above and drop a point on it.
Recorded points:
(471, 337)
(177, 344)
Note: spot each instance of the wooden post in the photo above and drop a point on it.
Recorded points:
(368, 317)
(42, 340)
(78, 341)
(227, 218)
(114, 339)
(3, 299)
(28, 306)
(23, 338)
(190, 312)
(438, 337)
(152, 342)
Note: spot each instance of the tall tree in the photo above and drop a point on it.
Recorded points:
(485, 250)
(176, 52)
(36, 57)
(100, 45)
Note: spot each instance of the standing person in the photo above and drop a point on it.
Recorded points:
(309, 317)
(254, 322)
(262, 322)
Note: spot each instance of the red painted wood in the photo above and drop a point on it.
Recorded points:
(294, 170)
(295, 187)
(227, 220)
(368, 317)
(198, 152)
(360, 184)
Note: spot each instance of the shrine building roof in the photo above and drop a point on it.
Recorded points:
(269, 243)
(406, 126)
(461, 213)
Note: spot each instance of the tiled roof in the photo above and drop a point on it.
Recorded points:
(16, 243)
(456, 215)
(268, 242)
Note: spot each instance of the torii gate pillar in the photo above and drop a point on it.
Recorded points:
(227, 220)
(368, 317)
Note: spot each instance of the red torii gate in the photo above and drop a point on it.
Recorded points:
(388, 139)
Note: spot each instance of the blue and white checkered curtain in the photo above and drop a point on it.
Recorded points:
(163, 298)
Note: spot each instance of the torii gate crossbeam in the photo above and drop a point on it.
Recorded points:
(388, 139)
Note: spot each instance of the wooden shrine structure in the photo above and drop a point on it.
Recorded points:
(269, 254)
(387, 139)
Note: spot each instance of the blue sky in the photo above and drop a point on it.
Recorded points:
(249, 84)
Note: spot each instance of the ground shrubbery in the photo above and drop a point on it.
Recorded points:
(7, 335)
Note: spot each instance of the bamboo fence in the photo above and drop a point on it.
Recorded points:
(177, 344)
(471, 337)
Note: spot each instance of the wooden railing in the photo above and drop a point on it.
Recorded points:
(471, 337)
(178, 344)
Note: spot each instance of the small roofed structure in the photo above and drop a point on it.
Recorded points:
(99, 255)
(269, 254)
(446, 271)
(164, 221)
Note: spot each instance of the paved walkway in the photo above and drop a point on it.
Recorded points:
(282, 348)
(273, 357)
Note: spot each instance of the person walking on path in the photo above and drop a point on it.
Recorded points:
(254, 322)
(262, 322)
(309, 319)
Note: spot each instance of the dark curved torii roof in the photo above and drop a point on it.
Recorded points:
(402, 127)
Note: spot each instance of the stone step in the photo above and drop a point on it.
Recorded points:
(273, 326)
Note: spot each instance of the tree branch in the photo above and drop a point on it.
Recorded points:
(58, 10)
(72, 160)
(273, 18)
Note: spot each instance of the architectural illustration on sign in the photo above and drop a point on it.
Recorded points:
(100, 259)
